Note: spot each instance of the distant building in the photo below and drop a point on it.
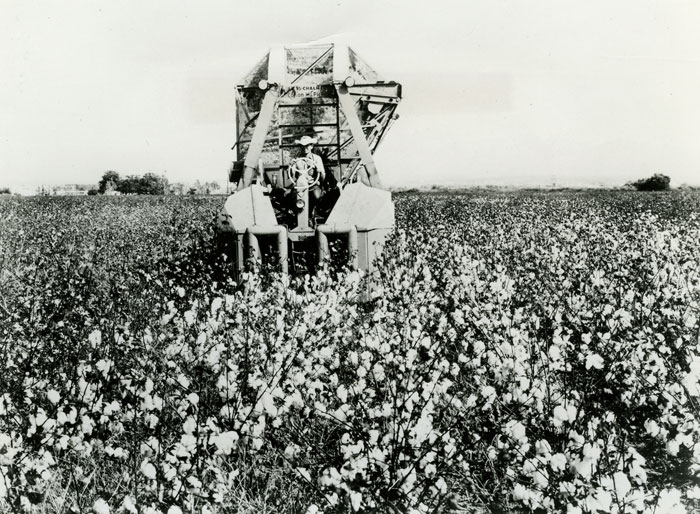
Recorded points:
(72, 189)
(53, 190)
(177, 188)
(65, 190)
(25, 190)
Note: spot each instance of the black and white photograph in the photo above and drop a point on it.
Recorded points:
(349, 257)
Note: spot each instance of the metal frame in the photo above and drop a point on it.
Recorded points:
(257, 142)
(371, 177)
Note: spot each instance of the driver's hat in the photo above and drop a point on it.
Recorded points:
(306, 140)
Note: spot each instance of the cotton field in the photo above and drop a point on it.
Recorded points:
(513, 352)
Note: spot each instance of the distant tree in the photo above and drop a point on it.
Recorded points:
(148, 184)
(210, 187)
(657, 182)
(129, 185)
(4, 190)
(192, 191)
(178, 188)
(152, 184)
(92, 192)
(109, 181)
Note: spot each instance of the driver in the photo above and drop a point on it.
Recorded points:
(307, 143)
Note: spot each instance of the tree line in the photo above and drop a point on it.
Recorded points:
(147, 184)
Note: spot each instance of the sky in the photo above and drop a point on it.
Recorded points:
(496, 92)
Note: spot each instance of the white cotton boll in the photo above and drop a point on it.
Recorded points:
(576, 439)
(95, 338)
(693, 493)
(86, 425)
(670, 502)
(554, 353)
(601, 501)
(695, 365)
(267, 402)
(342, 393)
(103, 366)
(216, 305)
(355, 500)
(489, 393)
(691, 380)
(183, 380)
(194, 482)
(291, 451)
(100, 507)
(378, 372)
(326, 353)
(188, 443)
(541, 478)
(591, 451)
(189, 426)
(148, 470)
(652, 427)
(174, 509)
(637, 471)
(583, 467)
(128, 505)
(542, 447)
(147, 403)
(594, 360)
(422, 428)
(441, 485)
(520, 492)
(561, 416)
(111, 408)
(516, 431)
(259, 427)
(491, 453)
(622, 485)
(672, 447)
(558, 462)
(53, 396)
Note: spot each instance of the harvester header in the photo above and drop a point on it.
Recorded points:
(308, 120)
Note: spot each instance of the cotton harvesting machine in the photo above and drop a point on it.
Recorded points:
(300, 208)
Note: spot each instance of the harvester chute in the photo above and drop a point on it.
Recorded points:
(284, 200)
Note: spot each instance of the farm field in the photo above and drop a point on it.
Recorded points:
(522, 352)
